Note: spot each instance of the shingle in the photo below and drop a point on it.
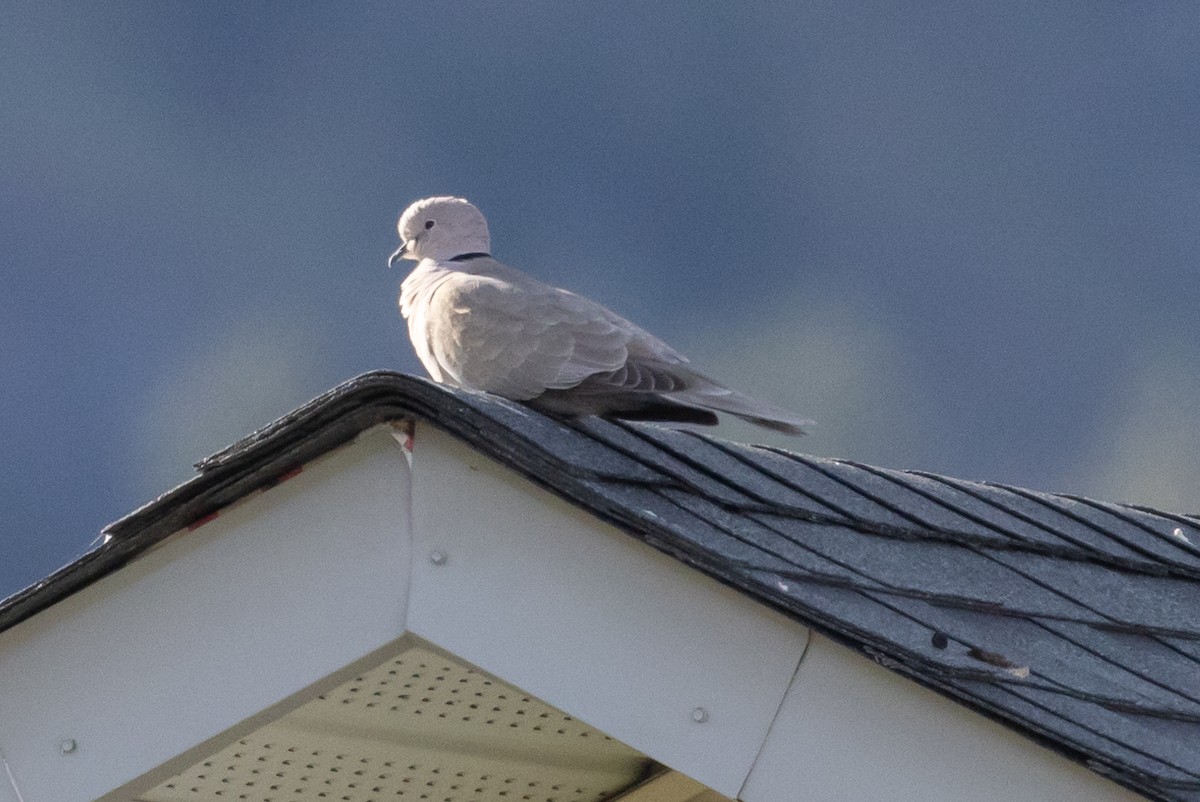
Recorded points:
(1055, 661)
(655, 517)
(797, 474)
(1058, 521)
(915, 503)
(952, 573)
(727, 466)
(622, 440)
(1173, 539)
(1190, 647)
(1012, 514)
(794, 556)
(922, 500)
(1128, 530)
(1125, 599)
(1156, 658)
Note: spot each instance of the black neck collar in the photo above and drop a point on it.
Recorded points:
(466, 257)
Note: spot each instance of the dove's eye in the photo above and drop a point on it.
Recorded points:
(428, 224)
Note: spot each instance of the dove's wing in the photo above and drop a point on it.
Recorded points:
(497, 329)
(645, 382)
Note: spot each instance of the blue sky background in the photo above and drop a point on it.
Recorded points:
(964, 240)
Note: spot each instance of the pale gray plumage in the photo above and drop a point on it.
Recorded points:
(480, 325)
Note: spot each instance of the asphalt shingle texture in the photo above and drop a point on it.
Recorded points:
(1073, 621)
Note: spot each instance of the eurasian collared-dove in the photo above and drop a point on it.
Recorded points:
(480, 325)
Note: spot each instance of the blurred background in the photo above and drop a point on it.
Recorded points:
(964, 240)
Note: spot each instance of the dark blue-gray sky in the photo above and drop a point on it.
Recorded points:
(963, 239)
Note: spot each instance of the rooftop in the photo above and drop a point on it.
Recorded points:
(1075, 622)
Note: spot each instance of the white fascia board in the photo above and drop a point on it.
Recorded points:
(211, 627)
(550, 599)
(850, 729)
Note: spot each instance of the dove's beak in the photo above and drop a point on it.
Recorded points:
(400, 253)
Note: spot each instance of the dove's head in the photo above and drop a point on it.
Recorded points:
(441, 228)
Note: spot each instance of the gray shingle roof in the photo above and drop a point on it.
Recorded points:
(1073, 621)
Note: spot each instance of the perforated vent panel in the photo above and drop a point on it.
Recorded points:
(418, 727)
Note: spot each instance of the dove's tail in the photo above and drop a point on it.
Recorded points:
(687, 397)
(721, 399)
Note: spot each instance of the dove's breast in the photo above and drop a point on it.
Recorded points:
(418, 309)
(478, 332)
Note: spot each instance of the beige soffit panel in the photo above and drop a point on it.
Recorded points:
(422, 725)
